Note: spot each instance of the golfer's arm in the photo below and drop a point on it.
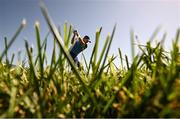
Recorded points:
(81, 40)
(72, 40)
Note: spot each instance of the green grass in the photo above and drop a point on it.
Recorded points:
(147, 87)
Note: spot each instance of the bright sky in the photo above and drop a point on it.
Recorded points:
(144, 16)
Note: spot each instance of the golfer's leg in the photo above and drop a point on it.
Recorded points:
(77, 61)
(72, 55)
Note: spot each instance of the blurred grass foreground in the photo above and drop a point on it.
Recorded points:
(147, 87)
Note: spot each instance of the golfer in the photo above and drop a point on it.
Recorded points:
(78, 45)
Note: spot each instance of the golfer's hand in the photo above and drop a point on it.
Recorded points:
(75, 32)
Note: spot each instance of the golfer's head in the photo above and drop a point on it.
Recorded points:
(86, 39)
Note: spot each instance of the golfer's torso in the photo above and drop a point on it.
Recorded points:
(77, 48)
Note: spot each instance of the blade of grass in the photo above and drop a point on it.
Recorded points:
(23, 23)
(109, 103)
(132, 44)
(12, 59)
(69, 35)
(44, 44)
(102, 54)
(44, 53)
(93, 52)
(45, 40)
(85, 61)
(132, 71)
(120, 55)
(32, 68)
(127, 62)
(97, 44)
(38, 40)
(6, 47)
(53, 60)
(65, 34)
(111, 61)
(107, 51)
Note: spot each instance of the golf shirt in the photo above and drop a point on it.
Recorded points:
(77, 48)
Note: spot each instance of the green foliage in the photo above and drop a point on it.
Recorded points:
(147, 87)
